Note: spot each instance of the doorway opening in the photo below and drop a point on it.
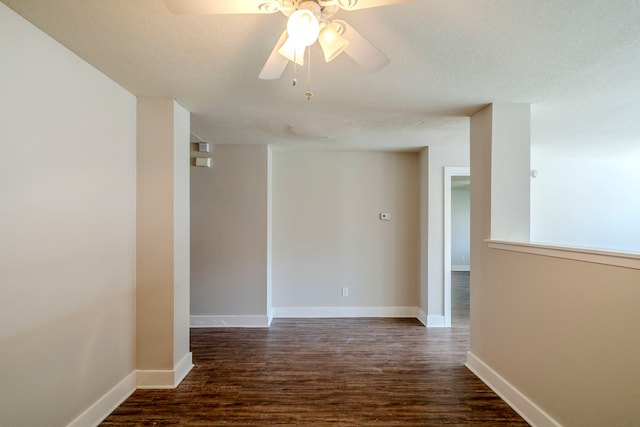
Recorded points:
(457, 258)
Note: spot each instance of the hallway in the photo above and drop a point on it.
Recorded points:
(328, 372)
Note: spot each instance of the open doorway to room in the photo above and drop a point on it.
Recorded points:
(457, 258)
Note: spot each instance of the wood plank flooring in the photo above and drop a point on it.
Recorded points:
(324, 372)
(460, 299)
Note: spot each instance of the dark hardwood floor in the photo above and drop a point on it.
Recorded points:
(460, 299)
(324, 372)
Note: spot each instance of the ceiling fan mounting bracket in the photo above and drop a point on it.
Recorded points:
(324, 9)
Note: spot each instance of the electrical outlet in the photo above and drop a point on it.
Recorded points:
(345, 292)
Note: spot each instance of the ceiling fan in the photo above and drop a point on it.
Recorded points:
(308, 21)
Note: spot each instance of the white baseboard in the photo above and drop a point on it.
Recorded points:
(161, 379)
(104, 406)
(460, 268)
(230, 321)
(328, 312)
(435, 321)
(270, 318)
(520, 403)
(183, 367)
(314, 312)
(422, 317)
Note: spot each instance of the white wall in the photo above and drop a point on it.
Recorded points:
(510, 171)
(587, 196)
(460, 223)
(327, 233)
(67, 229)
(229, 205)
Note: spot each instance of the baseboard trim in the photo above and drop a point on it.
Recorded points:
(105, 405)
(164, 379)
(460, 268)
(422, 317)
(329, 312)
(270, 318)
(435, 321)
(520, 403)
(183, 367)
(230, 321)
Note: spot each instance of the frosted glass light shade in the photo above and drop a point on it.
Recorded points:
(303, 27)
(293, 52)
(332, 42)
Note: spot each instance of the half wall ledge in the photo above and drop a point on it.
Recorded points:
(594, 256)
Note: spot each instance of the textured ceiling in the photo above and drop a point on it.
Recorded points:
(576, 62)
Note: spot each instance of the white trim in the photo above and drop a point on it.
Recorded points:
(164, 379)
(520, 403)
(154, 379)
(594, 256)
(437, 321)
(230, 321)
(324, 312)
(460, 268)
(183, 367)
(448, 173)
(270, 318)
(422, 317)
(105, 405)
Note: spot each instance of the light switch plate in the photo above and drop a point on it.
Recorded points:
(385, 216)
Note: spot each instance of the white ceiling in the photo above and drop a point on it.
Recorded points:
(576, 62)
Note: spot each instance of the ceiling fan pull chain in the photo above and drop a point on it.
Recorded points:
(309, 94)
(295, 68)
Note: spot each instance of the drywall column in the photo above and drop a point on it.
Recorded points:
(423, 289)
(499, 191)
(487, 295)
(162, 296)
(510, 144)
(269, 235)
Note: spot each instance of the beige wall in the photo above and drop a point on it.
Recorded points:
(564, 333)
(67, 229)
(229, 233)
(327, 233)
(256, 213)
(155, 267)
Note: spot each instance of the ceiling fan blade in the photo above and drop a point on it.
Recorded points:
(276, 63)
(362, 51)
(219, 7)
(365, 4)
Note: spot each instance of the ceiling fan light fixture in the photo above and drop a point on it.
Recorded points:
(303, 27)
(332, 42)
